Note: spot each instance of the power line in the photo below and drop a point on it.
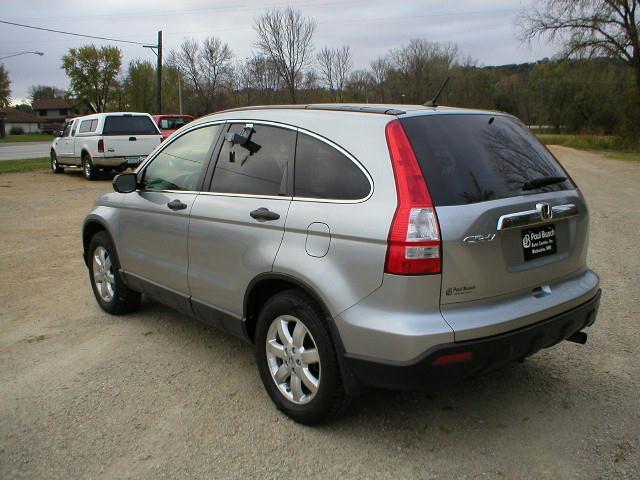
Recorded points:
(70, 33)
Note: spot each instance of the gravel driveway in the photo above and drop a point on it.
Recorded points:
(157, 395)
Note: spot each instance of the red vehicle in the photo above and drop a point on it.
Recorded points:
(170, 123)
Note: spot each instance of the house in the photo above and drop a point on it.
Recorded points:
(53, 112)
(15, 120)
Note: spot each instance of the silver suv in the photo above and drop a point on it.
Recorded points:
(387, 246)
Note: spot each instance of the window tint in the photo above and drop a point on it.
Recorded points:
(259, 167)
(473, 158)
(129, 125)
(323, 172)
(179, 164)
(88, 126)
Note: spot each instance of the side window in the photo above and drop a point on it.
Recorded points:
(85, 126)
(67, 129)
(94, 124)
(259, 166)
(74, 128)
(179, 164)
(321, 171)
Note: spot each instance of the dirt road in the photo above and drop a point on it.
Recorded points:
(157, 395)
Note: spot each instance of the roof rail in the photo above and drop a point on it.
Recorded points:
(336, 108)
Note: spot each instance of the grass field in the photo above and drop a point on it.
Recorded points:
(610, 146)
(27, 137)
(27, 165)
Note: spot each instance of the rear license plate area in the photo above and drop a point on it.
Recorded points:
(539, 242)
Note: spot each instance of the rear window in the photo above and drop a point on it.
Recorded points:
(478, 157)
(129, 125)
(173, 123)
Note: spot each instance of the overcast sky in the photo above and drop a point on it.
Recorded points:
(482, 29)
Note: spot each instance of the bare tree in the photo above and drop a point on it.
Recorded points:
(326, 62)
(285, 37)
(335, 66)
(379, 75)
(343, 67)
(422, 66)
(206, 66)
(588, 27)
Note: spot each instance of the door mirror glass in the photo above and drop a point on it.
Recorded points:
(125, 183)
(57, 133)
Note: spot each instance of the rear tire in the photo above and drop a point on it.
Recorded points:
(299, 368)
(89, 170)
(111, 293)
(55, 167)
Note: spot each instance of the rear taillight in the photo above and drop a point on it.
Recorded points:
(414, 237)
(101, 146)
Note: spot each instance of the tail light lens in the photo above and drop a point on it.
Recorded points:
(414, 237)
(101, 146)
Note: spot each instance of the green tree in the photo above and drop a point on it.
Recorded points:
(93, 72)
(5, 83)
(140, 86)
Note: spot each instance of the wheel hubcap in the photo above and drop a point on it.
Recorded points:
(103, 274)
(293, 359)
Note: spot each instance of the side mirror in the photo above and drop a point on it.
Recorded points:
(125, 183)
(57, 133)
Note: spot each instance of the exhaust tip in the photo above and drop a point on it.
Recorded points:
(578, 337)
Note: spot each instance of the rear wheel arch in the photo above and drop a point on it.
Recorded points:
(265, 286)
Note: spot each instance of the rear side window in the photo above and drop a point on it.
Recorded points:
(179, 165)
(259, 166)
(88, 126)
(129, 125)
(473, 158)
(321, 171)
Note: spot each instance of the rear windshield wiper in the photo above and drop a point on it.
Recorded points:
(541, 182)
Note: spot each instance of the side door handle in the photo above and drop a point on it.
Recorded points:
(176, 205)
(264, 214)
(132, 139)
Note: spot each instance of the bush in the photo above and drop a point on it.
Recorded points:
(16, 131)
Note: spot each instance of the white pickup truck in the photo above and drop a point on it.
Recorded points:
(104, 141)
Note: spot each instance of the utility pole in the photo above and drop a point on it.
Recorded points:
(180, 91)
(157, 49)
(159, 72)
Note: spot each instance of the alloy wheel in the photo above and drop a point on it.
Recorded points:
(103, 274)
(293, 359)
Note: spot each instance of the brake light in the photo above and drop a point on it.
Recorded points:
(414, 237)
(101, 146)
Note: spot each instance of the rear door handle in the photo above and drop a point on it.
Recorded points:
(176, 205)
(132, 139)
(264, 214)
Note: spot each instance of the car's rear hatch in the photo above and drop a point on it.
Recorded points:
(500, 238)
(130, 135)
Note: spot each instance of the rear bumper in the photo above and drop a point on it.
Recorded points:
(474, 356)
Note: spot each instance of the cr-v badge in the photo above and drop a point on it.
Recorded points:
(479, 238)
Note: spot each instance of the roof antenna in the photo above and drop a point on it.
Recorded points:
(434, 101)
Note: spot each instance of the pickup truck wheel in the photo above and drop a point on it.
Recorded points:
(55, 168)
(297, 360)
(112, 294)
(89, 170)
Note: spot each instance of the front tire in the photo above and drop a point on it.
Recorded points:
(297, 360)
(55, 166)
(88, 168)
(111, 293)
